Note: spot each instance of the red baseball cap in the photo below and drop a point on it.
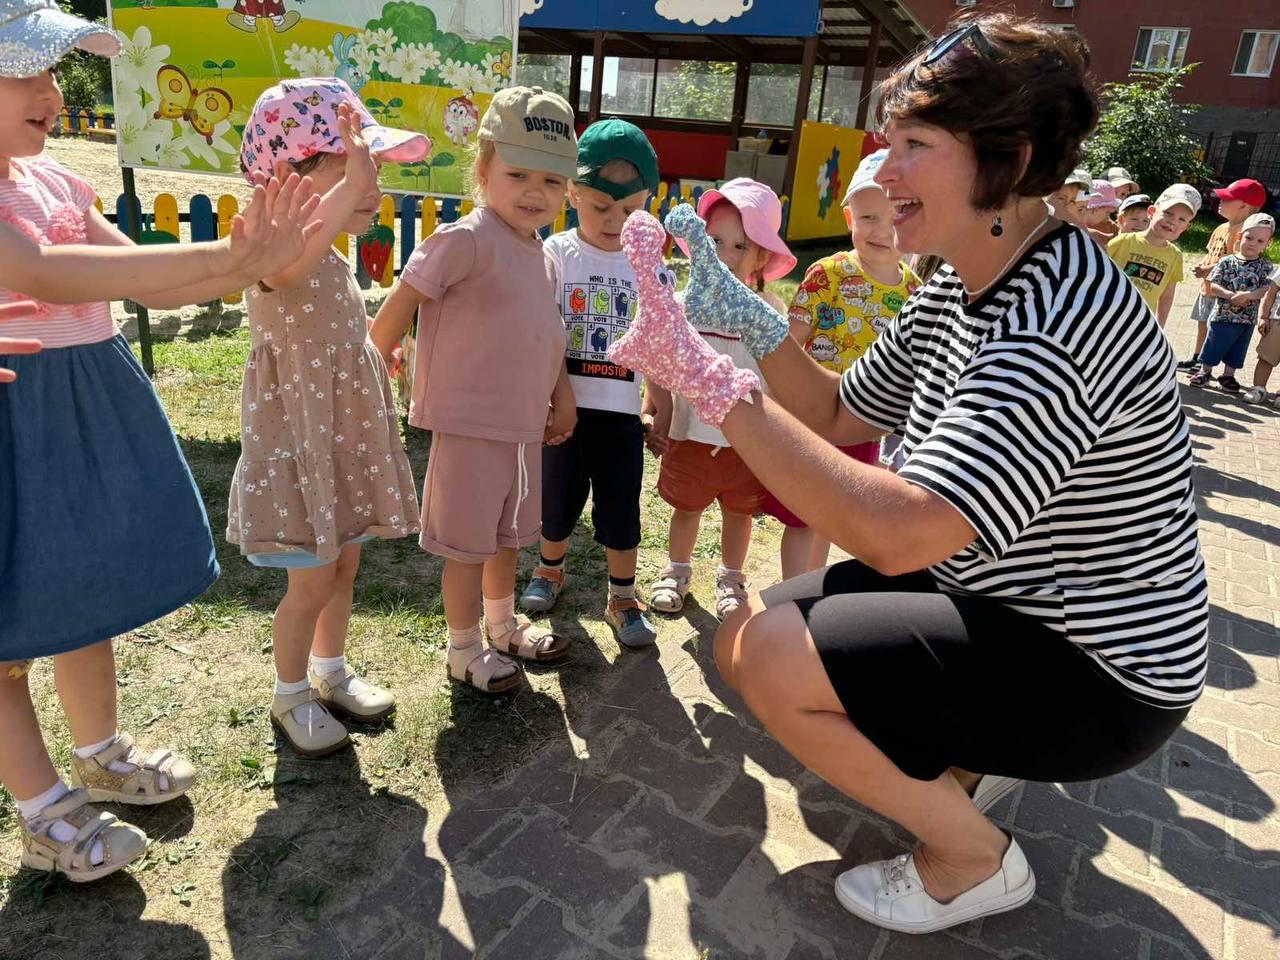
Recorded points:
(1249, 191)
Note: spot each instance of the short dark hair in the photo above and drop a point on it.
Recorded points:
(1027, 85)
(308, 164)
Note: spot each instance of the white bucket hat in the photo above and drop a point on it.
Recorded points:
(35, 35)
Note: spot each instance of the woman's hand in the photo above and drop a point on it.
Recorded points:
(16, 311)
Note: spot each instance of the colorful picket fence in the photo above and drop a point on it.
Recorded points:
(85, 122)
(380, 254)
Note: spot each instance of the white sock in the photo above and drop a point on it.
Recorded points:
(307, 713)
(499, 612)
(59, 830)
(249, 21)
(84, 753)
(467, 637)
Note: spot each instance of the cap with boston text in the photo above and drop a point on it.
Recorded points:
(532, 128)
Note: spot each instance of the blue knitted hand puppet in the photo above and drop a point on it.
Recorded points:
(715, 297)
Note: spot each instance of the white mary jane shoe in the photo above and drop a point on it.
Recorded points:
(890, 894)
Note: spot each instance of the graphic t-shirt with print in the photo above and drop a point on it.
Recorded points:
(1239, 276)
(1151, 269)
(845, 308)
(596, 294)
(1221, 242)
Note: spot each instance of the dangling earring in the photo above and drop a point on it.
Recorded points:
(997, 225)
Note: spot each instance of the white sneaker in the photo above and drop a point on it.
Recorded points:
(991, 790)
(890, 894)
(1255, 395)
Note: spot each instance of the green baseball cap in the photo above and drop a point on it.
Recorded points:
(616, 139)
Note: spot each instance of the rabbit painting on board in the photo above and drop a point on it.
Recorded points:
(348, 69)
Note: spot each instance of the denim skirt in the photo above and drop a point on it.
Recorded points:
(102, 528)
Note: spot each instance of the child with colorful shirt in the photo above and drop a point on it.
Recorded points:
(322, 469)
(1149, 259)
(1237, 281)
(1236, 203)
(743, 218)
(839, 309)
(490, 380)
(595, 292)
(102, 525)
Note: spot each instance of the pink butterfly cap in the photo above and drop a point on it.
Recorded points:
(296, 119)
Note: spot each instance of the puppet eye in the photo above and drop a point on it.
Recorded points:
(665, 277)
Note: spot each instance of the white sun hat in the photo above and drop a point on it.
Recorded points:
(35, 35)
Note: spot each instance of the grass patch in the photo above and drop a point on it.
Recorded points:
(270, 842)
(1196, 237)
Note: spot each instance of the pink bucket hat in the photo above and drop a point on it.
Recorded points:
(761, 213)
(1103, 196)
(298, 118)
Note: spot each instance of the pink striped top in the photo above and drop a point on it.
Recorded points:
(39, 203)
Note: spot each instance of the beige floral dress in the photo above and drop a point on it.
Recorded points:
(321, 461)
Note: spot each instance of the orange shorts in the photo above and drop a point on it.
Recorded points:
(694, 474)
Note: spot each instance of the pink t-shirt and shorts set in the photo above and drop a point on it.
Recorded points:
(490, 347)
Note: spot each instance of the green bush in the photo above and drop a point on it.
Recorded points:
(81, 81)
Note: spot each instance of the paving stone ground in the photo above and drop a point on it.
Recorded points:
(667, 825)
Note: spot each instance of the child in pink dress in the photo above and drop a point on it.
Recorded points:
(322, 468)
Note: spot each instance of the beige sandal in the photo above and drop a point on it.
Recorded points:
(667, 593)
(369, 706)
(121, 843)
(731, 591)
(140, 786)
(317, 739)
(522, 639)
(478, 672)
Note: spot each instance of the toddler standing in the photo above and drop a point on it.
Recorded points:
(102, 525)
(1237, 281)
(322, 469)
(1134, 215)
(595, 292)
(490, 380)
(839, 310)
(743, 218)
(1149, 259)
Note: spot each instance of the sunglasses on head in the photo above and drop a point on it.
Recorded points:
(948, 42)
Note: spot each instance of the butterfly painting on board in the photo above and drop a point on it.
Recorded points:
(203, 108)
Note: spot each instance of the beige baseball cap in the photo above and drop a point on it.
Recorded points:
(1180, 193)
(532, 128)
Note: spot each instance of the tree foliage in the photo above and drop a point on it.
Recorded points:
(1144, 130)
(697, 90)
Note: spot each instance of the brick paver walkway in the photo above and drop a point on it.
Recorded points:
(666, 826)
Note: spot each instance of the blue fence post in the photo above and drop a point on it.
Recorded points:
(408, 226)
(450, 209)
(204, 226)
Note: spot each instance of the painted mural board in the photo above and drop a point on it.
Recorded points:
(192, 69)
(754, 18)
(827, 157)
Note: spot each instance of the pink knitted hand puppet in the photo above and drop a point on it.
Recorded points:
(661, 345)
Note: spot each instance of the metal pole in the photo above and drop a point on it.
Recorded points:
(134, 229)
(597, 76)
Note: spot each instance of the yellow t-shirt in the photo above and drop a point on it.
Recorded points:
(845, 309)
(1152, 269)
(1221, 242)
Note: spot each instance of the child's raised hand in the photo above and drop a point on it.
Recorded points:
(16, 311)
(361, 173)
(272, 232)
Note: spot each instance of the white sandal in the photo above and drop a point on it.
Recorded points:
(321, 737)
(667, 593)
(122, 843)
(479, 671)
(141, 786)
(731, 591)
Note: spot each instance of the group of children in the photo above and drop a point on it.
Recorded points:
(528, 416)
(1238, 283)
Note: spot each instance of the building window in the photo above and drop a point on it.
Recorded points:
(546, 70)
(1161, 48)
(1257, 53)
(772, 89)
(695, 90)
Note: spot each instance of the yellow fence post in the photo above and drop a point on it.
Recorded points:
(467, 206)
(227, 210)
(342, 243)
(166, 212)
(428, 224)
(387, 217)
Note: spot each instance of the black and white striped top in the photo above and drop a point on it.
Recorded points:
(1047, 413)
